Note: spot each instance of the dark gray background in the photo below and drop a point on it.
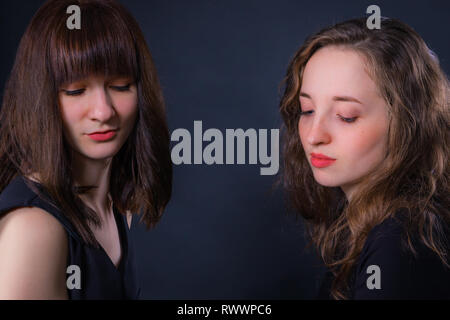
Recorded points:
(224, 233)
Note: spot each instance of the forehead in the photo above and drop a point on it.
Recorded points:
(335, 71)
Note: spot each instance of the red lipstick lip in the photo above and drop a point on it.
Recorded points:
(102, 132)
(321, 156)
(319, 160)
(104, 136)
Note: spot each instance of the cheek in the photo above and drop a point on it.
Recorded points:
(368, 145)
(127, 106)
(71, 113)
(302, 130)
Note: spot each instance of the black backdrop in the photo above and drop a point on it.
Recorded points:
(225, 234)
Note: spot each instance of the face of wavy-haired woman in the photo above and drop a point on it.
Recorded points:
(96, 105)
(344, 121)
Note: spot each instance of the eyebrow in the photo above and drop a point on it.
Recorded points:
(335, 98)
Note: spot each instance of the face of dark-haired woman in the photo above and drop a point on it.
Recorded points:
(344, 122)
(98, 114)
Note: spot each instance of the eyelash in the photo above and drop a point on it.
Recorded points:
(347, 120)
(80, 91)
(304, 113)
(74, 92)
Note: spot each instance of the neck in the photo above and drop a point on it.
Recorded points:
(90, 172)
(348, 190)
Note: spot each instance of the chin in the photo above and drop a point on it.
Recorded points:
(327, 180)
(103, 154)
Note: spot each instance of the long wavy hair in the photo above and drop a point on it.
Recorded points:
(414, 176)
(109, 42)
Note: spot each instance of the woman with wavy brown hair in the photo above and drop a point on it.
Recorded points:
(84, 146)
(366, 159)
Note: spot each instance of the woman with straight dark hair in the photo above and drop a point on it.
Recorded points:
(366, 159)
(84, 146)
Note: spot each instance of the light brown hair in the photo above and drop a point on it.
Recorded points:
(414, 176)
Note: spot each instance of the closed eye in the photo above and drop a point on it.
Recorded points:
(121, 88)
(74, 92)
(349, 120)
(305, 113)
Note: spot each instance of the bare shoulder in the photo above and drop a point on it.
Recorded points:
(33, 253)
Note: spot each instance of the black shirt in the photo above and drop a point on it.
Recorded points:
(100, 278)
(401, 274)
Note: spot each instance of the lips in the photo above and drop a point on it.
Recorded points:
(102, 132)
(319, 160)
(102, 136)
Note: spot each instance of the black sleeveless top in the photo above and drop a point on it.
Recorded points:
(99, 277)
(401, 274)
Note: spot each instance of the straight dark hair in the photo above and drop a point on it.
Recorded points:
(109, 42)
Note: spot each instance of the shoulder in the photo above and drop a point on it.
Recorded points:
(33, 220)
(387, 259)
(387, 235)
(33, 251)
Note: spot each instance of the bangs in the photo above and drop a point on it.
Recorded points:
(104, 46)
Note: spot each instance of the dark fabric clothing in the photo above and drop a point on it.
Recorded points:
(100, 279)
(402, 276)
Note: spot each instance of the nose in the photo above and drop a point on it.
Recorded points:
(318, 132)
(102, 108)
